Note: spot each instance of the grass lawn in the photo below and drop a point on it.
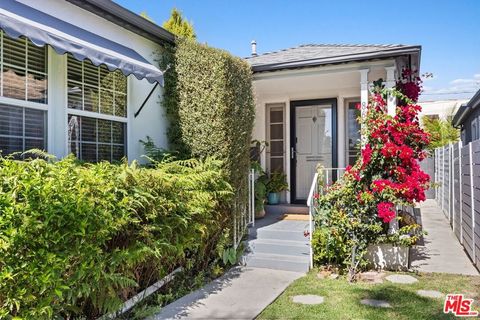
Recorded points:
(342, 299)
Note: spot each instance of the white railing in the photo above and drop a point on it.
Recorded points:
(244, 214)
(311, 208)
(323, 178)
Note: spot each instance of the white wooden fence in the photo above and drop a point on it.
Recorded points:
(457, 175)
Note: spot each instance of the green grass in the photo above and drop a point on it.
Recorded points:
(342, 299)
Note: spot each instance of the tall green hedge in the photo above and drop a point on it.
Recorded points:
(77, 240)
(209, 101)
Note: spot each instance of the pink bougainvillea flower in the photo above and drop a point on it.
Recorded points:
(386, 211)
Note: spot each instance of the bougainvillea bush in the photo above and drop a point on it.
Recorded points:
(357, 209)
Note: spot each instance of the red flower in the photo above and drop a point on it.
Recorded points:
(366, 154)
(386, 211)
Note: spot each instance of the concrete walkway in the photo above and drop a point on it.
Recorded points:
(242, 293)
(277, 254)
(441, 250)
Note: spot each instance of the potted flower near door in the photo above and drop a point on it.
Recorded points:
(260, 191)
(276, 184)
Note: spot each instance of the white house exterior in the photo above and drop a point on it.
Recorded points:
(441, 109)
(57, 102)
(305, 104)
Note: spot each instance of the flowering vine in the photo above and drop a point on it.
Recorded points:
(356, 210)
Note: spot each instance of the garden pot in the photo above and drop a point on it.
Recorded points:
(386, 256)
(273, 198)
(260, 214)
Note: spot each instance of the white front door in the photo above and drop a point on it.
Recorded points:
(313, 144)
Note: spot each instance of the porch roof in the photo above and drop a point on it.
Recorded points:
(311, 55)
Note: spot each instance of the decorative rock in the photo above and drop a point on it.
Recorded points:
(308, 299)
(371, 277)
(401, 278)
(323, 274)
(375, 303)
(430, 294)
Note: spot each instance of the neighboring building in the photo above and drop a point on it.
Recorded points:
(65, 84)
(306, 101)
(440, 109)
(467, 119)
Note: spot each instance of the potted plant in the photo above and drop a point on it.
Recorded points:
(277, 184)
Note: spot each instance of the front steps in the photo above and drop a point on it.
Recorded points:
(279, 244)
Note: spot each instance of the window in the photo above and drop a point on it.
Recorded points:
(97, 107)
(23, 95)
(276, 137)
(353, 132)
(475, 128)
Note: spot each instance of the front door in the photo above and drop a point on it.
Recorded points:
(313, 142)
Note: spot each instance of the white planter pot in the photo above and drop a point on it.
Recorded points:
(386, 256)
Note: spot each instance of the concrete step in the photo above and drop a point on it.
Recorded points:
(281, 248)
(275, 234)
(278, 262)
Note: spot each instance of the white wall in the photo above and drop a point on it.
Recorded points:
(442, 108)
(151, 120)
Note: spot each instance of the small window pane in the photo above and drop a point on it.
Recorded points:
(14, 83)
(89, 152)
(104, 152)
(10, 145)
(276, 165)
(104, 131)
(74, 70)
(106, 102)
(276, 148)
(74, 95)
(34, 123)
(11, 121)
(276, 131)
(14, 51)
(118, 153)
(37, 88)
(90, 74)
(89, 129)
(91, 98)
(120, 104)
(34, 144)
(118, 132)
(37, 58)
(276, 116)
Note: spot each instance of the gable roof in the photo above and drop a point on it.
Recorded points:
(125, 18)
(311, 55)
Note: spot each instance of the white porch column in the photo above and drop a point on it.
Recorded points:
(389, 84)
(364, 94)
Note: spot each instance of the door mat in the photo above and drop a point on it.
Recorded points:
(294, 216)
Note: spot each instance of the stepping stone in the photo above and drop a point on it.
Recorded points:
(375, 303)
(308, 299)
(430, 294)
(371, 277)
(401, 278)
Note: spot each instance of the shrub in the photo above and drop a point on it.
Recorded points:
(209, 102)
(77, 240)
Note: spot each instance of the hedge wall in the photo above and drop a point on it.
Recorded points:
(209, 102)
(77, 240)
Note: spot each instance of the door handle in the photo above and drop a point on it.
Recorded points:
(292, 152)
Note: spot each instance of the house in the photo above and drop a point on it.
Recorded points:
(440, 109)
(79, 76)
(306, 100)
(467, 119)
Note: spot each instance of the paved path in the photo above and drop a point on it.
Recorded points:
(441, 251)
(242, 293)
(277, 254)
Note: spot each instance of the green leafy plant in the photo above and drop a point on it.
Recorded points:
(441, 131)
(76, 240)
(277, 182)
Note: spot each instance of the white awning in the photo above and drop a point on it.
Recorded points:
(17, 19)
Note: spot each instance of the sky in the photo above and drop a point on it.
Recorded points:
(447, 30)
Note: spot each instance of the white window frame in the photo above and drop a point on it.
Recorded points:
(268, 107)
(25, 104)
(95, 115)
(346, 103)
